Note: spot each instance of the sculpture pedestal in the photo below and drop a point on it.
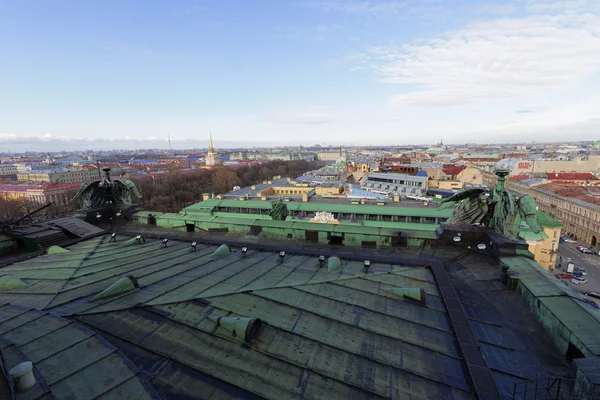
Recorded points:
(103, 215)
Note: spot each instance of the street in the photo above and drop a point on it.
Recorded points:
(590, 262)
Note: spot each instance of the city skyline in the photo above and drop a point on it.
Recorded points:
(127, 75)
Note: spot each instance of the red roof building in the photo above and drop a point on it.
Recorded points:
(519, 177)
(452, 170)
(582, 177)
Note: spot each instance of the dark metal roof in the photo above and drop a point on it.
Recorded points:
(325, 334)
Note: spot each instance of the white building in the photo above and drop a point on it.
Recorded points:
(392, 183)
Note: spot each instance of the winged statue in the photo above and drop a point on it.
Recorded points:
(496, 208)
(106, 192)
(279, 211)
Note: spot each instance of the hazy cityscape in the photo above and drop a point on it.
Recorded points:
(300, 200)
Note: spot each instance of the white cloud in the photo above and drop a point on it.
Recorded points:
(505, 58)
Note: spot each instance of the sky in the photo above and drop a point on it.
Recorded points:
(81, 75)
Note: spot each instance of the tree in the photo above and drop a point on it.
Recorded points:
(12, 208)
(281, 170)
(224, 179)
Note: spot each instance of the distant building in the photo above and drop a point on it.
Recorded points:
(580, 178)
(395, 184)
(8, 170)
(576, 208)
(471, 176)
(211, 156)
(58, 176)
(332, 155)
(587, 163)
(59, 193)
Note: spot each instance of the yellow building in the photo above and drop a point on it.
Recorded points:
(58, 193)
(330, 189)
(470, 175)
(545, 249)
(443, 184)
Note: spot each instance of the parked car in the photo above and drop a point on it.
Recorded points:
(578, 280)
(570, 241)
(585, 250)
(592, 294)
(563, 276)
(579, 246)
(581, 270)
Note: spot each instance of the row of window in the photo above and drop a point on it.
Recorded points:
(395, 181)
(339, 216)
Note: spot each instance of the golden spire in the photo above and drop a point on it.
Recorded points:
(211, 149)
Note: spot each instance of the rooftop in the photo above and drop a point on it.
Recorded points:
(331, 331)
(408, 208)
(571, 176)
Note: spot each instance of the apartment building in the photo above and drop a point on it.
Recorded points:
(58, 176)
(574, 207)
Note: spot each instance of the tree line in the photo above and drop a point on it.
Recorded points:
(176, 190)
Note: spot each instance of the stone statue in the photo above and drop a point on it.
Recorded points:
(500, 209)
(279, 211)
(105, 192)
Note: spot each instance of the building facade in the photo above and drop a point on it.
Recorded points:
(60, 194)
(579, 218)
(393, 183)
(66, 176)
(8, 170)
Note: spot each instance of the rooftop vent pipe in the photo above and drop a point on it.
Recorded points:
(246, 329)
(56, 250)
(123, 285)
(22, 376)
(10, 282)
(333, 264)
(222, 250)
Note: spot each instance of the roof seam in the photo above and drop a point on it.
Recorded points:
(75, 270)
(277, 265)
(165, 355)
(312, 369)
(47, 333)
(92, 334)
(112, 351)
(26, 323)
(376, 312)
(364, 291)
(358, 327)
(129, 271)
(170, 277)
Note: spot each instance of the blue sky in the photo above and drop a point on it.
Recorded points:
(110, 74)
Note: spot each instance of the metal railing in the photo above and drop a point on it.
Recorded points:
(556, 389)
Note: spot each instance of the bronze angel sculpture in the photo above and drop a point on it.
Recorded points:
(106, 192)
(496, 208)
(279, 211)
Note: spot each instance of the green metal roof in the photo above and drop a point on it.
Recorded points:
(314, 226)
(70, 361)
(272, 224)
(547, 221)
(342, 320)
(407, 226)
(328, 207)
(361, 230)
(529, 235)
